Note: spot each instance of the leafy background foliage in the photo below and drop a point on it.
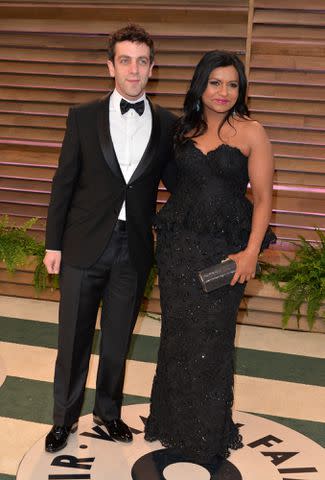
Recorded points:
(302, 280)
(16, 246)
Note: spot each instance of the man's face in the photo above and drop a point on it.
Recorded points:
(131, 68)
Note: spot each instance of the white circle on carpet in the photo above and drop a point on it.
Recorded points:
(271, 452)
(177, 470)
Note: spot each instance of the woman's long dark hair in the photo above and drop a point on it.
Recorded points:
(192, 119)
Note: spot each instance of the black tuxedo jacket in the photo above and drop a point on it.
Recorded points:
(89, 189)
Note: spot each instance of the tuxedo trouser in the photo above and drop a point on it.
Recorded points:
(112, 280)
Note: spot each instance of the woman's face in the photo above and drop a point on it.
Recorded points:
(222, 90)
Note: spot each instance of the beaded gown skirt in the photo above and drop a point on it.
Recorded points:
(192, 393)
(206, 219)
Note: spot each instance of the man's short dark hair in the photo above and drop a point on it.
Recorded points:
(132, 33)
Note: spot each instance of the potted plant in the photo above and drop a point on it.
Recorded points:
(302, 280)
(17, 245)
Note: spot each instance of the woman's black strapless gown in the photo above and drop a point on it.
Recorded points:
(207, 218)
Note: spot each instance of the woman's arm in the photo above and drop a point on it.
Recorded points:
(260, 169)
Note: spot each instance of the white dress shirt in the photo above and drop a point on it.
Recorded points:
(130, 136)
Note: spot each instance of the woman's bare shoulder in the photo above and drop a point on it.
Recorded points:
(252, 129)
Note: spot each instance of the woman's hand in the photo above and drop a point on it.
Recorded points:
(246, 266)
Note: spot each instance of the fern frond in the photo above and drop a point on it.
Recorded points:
(301, 280)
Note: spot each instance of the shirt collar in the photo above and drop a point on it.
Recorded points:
(115, 100)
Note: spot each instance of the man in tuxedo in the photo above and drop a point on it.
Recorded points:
(114, 153)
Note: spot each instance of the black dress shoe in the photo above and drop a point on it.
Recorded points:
(117, 429)
(57, 438)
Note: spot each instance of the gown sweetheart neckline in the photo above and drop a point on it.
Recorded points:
(222, 145)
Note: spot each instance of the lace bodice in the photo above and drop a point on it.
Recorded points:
(211, 195)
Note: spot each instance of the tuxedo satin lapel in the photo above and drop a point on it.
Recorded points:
(153, 144)
(105, 138)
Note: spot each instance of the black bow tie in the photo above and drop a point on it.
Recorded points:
(138, 107)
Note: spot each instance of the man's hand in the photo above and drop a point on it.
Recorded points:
(52, 261)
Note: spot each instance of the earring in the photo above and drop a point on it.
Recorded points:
(198, 105)
(234, 113)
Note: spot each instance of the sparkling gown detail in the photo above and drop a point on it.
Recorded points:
(207, 218)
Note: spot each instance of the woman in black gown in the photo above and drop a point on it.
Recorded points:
(208, 218)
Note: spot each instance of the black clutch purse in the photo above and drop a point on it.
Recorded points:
(219, 275)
